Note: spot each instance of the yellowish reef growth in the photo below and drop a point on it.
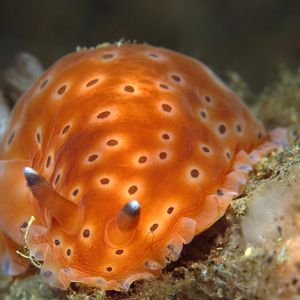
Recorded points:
(221, 263)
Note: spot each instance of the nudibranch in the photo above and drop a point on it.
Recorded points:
(122, 153)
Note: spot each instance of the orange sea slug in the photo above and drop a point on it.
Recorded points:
(122, 154)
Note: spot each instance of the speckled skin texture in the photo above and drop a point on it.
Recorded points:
(109, 125)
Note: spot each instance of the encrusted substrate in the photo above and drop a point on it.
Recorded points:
(216, 265)
(31, 287)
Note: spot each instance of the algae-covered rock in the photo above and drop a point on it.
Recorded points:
(32, 288)
(279, 104)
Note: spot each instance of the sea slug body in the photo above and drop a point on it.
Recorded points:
(122, 154)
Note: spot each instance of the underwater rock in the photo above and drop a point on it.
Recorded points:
(272, 222)
(279, 104)
(272, 211)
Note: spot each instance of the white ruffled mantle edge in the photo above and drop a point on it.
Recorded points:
(184, 232)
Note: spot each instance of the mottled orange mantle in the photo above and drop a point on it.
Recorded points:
(117, 125)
